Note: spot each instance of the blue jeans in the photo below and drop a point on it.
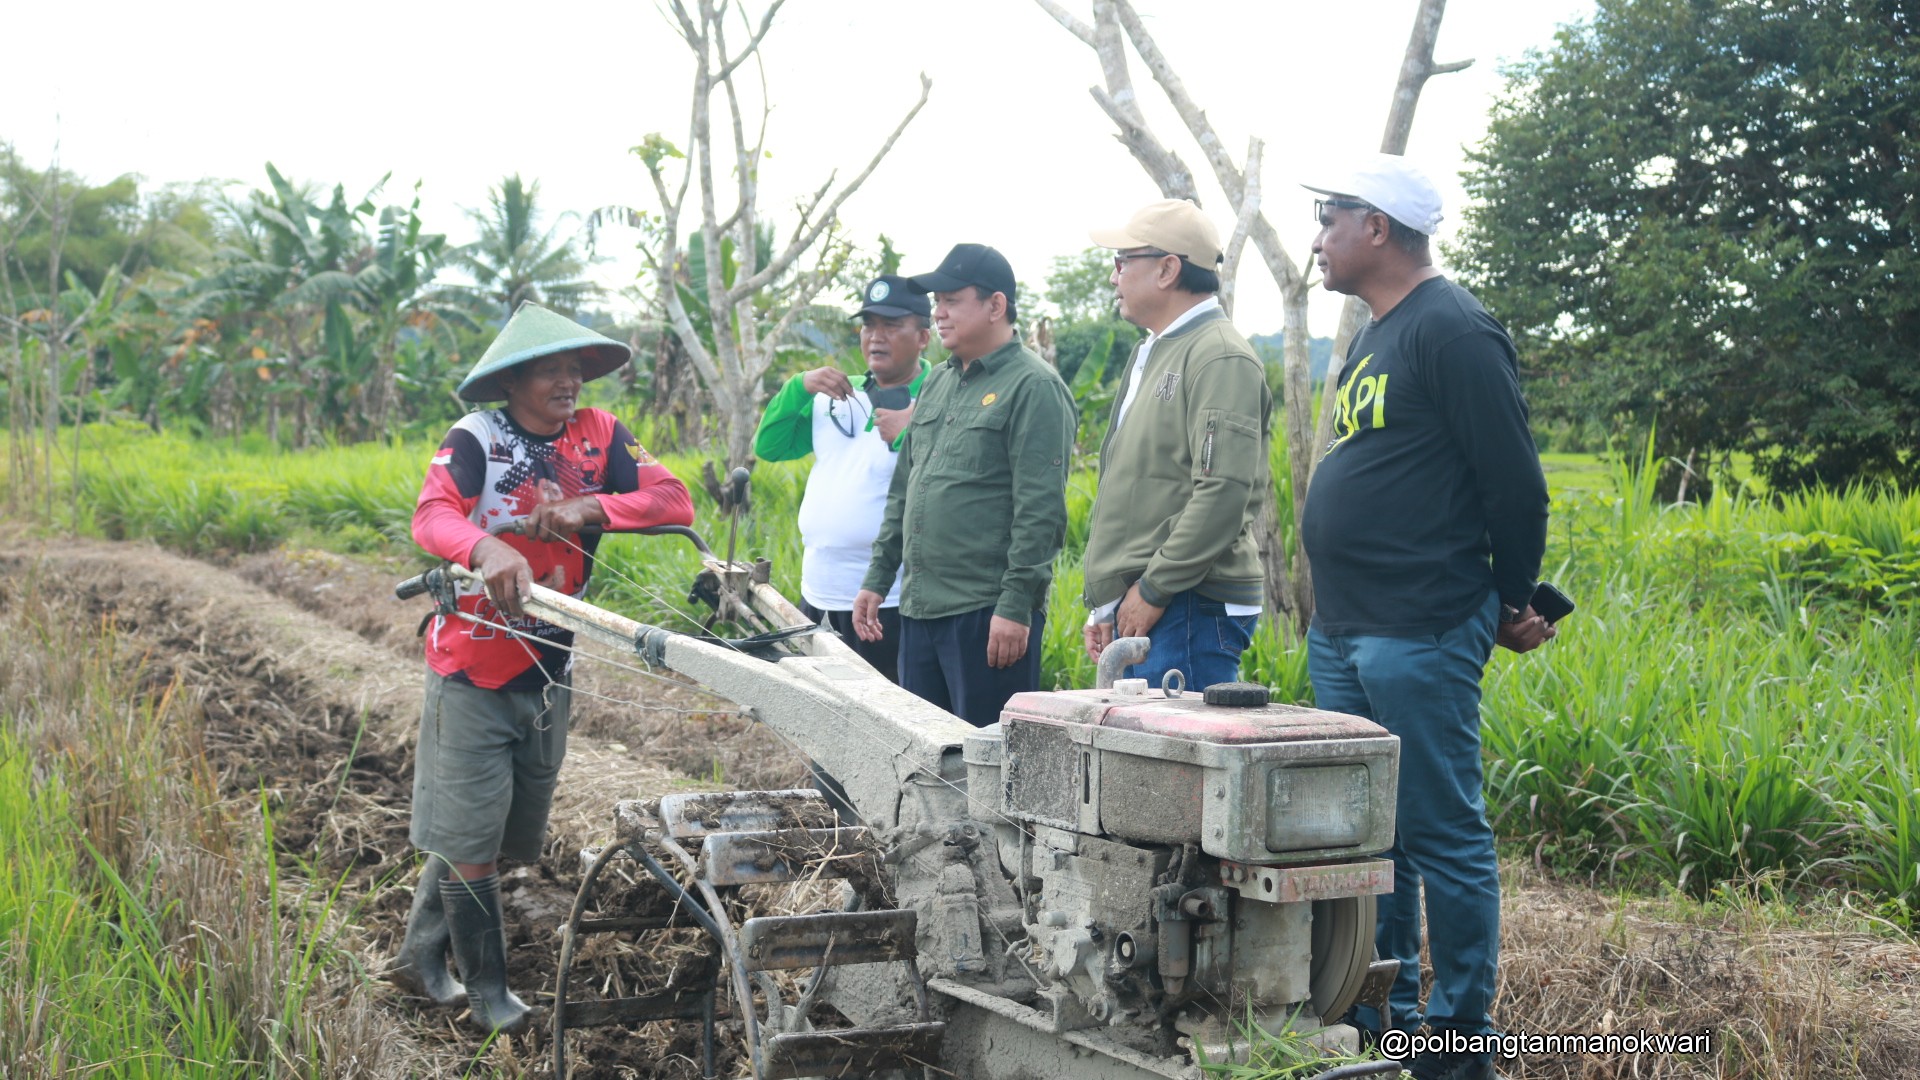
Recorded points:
(1197, 636)
(1426, 690)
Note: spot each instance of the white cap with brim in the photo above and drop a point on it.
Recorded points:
(1391, 184)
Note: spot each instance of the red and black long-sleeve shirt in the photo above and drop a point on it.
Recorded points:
(490, 470)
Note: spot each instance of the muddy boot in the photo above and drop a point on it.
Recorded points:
(480, 950)
(421, 967)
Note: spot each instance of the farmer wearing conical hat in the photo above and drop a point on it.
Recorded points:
(494, 727)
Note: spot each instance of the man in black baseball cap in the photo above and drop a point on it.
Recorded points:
(970, 264)
(977, 509)
(851, 426)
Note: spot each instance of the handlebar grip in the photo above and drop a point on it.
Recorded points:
(514, 525)
(699, 544)
(412, 587)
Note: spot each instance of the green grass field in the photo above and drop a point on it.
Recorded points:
(138, 937)
(1737, 696)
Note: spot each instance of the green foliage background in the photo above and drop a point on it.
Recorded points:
(1738, 695)
(1705, 215)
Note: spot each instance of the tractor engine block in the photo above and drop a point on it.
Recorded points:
(1183, 859)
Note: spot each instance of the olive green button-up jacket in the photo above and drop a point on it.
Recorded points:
(977, 509)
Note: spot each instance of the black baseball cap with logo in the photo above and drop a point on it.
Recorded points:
(968, 264)
(892, 296)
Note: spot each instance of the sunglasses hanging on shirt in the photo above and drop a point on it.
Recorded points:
(853, 425)
(880, 397)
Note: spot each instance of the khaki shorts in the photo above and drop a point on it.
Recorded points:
(485, 768)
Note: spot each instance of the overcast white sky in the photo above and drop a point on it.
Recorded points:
(1009, 151)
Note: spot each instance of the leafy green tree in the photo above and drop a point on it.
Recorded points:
(1081, 286)
(1703, 216)
(315, 309)
(97, 229)
(1091, 341)
(1090, 334)
(515, 260)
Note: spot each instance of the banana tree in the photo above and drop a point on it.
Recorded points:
(316, 299)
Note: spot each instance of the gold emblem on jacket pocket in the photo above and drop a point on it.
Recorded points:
(990, 399)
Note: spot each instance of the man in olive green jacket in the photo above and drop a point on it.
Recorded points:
(977, 508)
(1170, 550)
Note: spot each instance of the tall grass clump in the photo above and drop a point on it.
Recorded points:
(70, 997)
(145, 926)
(1735, 698)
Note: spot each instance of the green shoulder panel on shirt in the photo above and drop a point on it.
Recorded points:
(786, 428)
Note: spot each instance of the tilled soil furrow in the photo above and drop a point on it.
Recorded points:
(309, 675)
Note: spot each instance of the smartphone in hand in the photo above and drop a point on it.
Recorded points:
(1550, 603)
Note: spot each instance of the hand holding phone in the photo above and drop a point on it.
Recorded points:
(1550, 603)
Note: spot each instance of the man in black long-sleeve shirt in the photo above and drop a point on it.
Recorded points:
(1425, 525)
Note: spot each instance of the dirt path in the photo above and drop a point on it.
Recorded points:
(312, 683)
(312, 675)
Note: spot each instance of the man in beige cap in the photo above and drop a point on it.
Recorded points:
(1170, 549)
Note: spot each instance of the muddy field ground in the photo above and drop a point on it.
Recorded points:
(309, 674)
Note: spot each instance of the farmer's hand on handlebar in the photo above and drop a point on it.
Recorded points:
(564, 518)
(830, 381)
(866, 615)
(506, 573)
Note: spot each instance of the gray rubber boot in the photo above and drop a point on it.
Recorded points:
(480, 950)
(421, 967)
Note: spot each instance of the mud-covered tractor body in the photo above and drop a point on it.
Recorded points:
(1111, 882)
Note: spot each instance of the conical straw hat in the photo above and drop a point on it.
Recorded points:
(532, 333)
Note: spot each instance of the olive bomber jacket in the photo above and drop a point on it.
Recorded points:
(1180, 477)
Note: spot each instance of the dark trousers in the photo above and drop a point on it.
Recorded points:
(883, 655)
(944, 661)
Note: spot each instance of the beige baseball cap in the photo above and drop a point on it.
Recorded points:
(1175, 226)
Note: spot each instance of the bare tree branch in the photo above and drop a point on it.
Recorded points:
(1167, 170)
(741, 331)
(1242, 224)
(1122, 103)
(753, 45)
(781, 261)
(745, 224)
(689, 31)
(1066, 18)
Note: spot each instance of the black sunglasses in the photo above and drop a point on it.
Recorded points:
(1120, 261)
(1320, 206)
(852, 426)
